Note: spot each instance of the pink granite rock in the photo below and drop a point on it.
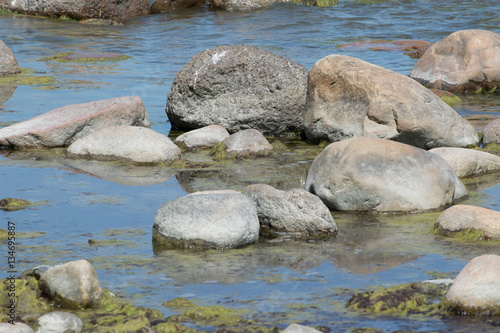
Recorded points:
(62, 126)
(8, 63)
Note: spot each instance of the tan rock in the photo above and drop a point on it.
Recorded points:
(469, 162)
(8, 63)
(204, 137)
(491, 132)
(464, 217)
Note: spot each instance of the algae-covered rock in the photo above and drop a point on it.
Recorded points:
(86, 57)
(14, 204)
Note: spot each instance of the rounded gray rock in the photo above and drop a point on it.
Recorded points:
(238, 87)
(465, 217)
(370, 174)
(476, 289)
(296, 211)
(209, 219)
(469, 162)
(8, 63)
(348, 97)
(59, 322)
(247, 143)
(491, 133)
(128, 143)
(204, 137)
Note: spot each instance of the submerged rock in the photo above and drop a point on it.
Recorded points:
(72, 285)
(210, 219)
(469, 162)
(238, 87)
(87, 56)
(63, 126)
(8, 63)
(491, 133)
(347, 97)
(464, 61)
(204, 137)
(59, 322)
(243, 144)
(14, 204)
(369, 174)
(128, 143)
(296, 211)
(476, 289)
(476, 222)
(238, 5)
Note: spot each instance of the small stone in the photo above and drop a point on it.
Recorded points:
(59, 322)
(204, 137)
(296, 328)
(247, 143)
(8, 63)
(491, 133)
(463, 217)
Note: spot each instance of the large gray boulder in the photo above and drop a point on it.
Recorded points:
(59, 322)
(476, 289)
(370, 174)
(8, 63)
(63, 126)
(464, 61)
(72, 285)
(239, 5)
(238, 87)
(464, 218)
(348, 97)
(204, 137)
(295, 212)
(210, 219)
(469, 162)
(80, 9)
(126, 143)
(491, 132)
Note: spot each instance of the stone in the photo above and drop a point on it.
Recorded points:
(209, 219)
(126, 143)
(164, 6)
(238, 5)
(238, 87)
(465, 61)
(72, 285)
(476, 289)
(247, 143)
(491, 132)
(87, 56)
(8, 63)
(464, 218)
(59, 322)
(370, 174)
(204, 137)
(16, 328)
(63, 126)
(296, 328)
(469, 162)
(386, 45)
(80, 9)
(447, 96)
(348, 97)
(296, 211)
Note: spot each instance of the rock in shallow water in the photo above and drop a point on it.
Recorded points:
(246, 143)
(463, 218)
(491, 132)
(204, 137)
(8, 63)
(348, 97)
(209, 219)
(369, 174)
(16, 328)
(238, 5)
(469, 162)
(128, 143)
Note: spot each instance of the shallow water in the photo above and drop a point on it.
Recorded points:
(281, 281)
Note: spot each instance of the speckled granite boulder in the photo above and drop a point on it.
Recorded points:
(8, 63)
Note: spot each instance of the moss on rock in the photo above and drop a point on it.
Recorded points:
(14, 204)
(26, 78)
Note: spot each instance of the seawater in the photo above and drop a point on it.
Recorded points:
(286, 281)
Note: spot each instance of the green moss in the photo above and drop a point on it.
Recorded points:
(466, 234)
(365, 330)
(218, 152)
(451, 100)
(66, 18)
(179, 302)
(60, 58)
(25, 78)
(14, 204)
(326, 3)
(479, 90)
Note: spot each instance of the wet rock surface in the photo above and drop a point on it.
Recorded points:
(127, 143)
(238, 87)
(348, 97)
(464, 61)
(163, 6)
(469, 162)
(296, 211)
(8, 63)
(204, 137)
(62, 126)
(369, 174)
(209, 219)
(491, 133)
(476, 222)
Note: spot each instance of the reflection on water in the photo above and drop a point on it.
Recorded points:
(86, 199)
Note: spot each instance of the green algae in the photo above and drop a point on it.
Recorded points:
(60, 58)
(451, 100)
(218, 152)
(10, 204)
(124, 232)
(26, 78)
(326, 3)
(469, 234)
(113, 242)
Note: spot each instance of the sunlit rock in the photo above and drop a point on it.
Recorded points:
(243, 144)
(59, 322)
(491, 132)
(204, 137)
(469, 162)
(8, 63)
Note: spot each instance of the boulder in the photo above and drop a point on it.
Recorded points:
(491, 132)
(8, 63)
(296, 328)
(238, 87)
(476, 289)
(126, 143)
(465, 61)
(238, 5)
(164, 6)
(72, 285)
(80, 9)
(204, 137)
(296, 211)
(370, 174)
(62, 126)
(469, 162)
(347, 97)
(16, 328)
(59, 322)
(466, 218)
(243, 144)
(209, 219)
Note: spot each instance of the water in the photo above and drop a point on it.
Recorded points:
(115, 205)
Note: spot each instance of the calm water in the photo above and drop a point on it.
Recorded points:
(115, 205)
